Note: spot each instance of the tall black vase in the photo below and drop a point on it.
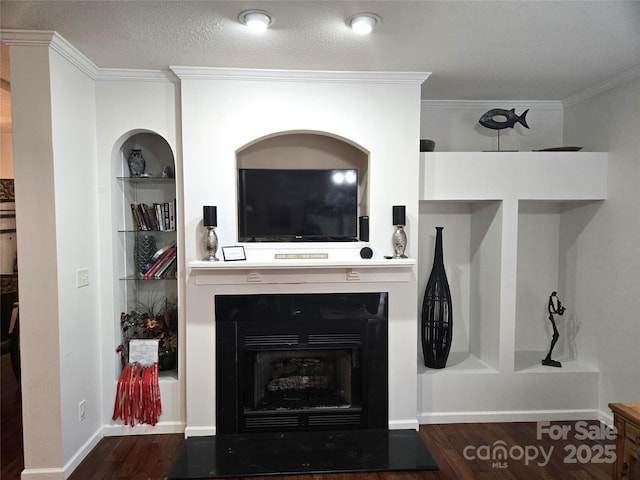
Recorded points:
(437, 319)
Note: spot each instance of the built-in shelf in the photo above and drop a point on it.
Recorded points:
(148, 180)
(513, 175)
(147, 232)
(459, 362)
(168, 376)
(142, 279)
(530, 362)
(512, 222)
(472, 255)
(133, 292)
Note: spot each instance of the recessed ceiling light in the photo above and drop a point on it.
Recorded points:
(364, 23)
(257, 20)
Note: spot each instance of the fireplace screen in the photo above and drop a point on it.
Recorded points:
(302, 379)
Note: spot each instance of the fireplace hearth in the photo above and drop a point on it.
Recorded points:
(301, 362)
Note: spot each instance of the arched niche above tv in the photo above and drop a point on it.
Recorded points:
(307, 150)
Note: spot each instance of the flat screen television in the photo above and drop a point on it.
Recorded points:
(279, 205)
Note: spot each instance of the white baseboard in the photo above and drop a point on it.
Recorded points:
(157, 429)
(71, 465)
(42, 474)
(199, 431)
(606, 418)
(509, 416)
(80, 455)
(403, 425)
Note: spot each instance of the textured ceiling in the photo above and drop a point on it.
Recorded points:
(476, 50)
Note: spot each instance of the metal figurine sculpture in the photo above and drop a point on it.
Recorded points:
(555, 308)
(499, 119)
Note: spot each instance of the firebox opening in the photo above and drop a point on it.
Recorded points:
(298, 380)
(289, 362)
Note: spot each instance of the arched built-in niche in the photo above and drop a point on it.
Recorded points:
(146, 225)
(309, 150)
(155, 149)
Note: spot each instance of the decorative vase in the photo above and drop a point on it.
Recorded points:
(427, 145)
(437, 319)
(144, 249)
(136, 163)
(210, 242)
(399, 241)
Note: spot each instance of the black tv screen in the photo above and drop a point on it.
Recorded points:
(286, 205)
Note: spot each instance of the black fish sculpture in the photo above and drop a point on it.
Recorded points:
(509, 119)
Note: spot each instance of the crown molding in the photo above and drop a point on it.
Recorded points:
(54, 41)
(125, 74)
(27, 37)
(507, 104)
(617, 81)
(215, 73)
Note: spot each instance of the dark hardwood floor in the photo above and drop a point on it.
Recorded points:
(11, 459)
(463, 452)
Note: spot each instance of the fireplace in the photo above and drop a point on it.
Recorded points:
(214, 289)
(300, 362)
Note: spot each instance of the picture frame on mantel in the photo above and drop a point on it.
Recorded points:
(233, 254)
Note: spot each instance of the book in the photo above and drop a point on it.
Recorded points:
(165, 213)
(156, 256)
(138, 221)
(159, 216)
(172, 215)
(144, 210)
(156, 265)
(172, 271)
(164, 266)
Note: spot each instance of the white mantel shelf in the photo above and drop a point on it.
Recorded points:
(302, 271)
(407, 263)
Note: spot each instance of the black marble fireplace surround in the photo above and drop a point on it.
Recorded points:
(301, 388)
(301, 362)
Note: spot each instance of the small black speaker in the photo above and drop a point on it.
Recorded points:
(399, 215)
(366, 252)
(364, 229)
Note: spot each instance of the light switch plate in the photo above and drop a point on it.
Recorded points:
(82, 277)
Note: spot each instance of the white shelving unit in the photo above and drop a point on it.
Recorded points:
(509, 238)
(131, 288)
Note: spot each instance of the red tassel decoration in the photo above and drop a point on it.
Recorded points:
(138, 395)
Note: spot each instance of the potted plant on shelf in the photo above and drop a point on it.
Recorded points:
(153, 319)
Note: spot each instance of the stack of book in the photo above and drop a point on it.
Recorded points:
(159, 216)
(163, 264)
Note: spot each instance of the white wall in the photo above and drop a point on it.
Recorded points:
(56, 201)
(34, 169)
(220, 116)
(454, 126)
(223, 111)
(538, 265)
(607, 256)
(78, 246)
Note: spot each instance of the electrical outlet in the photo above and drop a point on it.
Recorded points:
(82, 277)
(82, 411)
